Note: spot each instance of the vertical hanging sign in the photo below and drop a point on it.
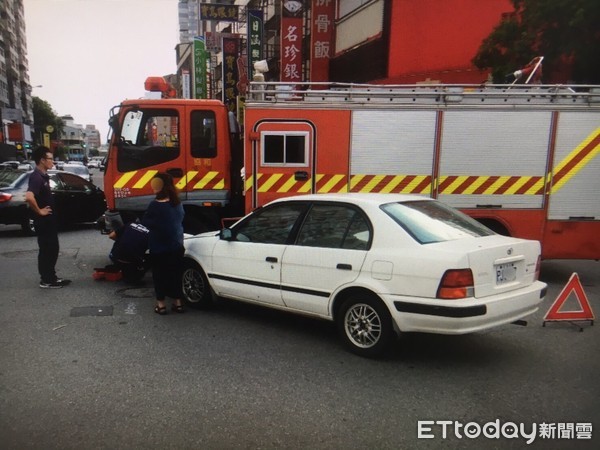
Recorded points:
(291, 41)
(230, 72)
(321, 36)
(185, 84)
(255, 39)
(200, 57)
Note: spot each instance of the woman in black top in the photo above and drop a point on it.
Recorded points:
(164, 219)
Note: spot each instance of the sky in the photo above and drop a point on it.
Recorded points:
(89, 55)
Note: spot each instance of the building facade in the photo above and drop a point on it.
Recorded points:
(15, 87)
(360, 41)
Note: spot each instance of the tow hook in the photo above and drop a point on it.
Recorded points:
(523, 323)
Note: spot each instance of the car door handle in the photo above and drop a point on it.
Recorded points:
(271, 259)
(344, 266)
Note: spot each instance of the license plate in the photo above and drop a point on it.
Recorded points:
(505, 273)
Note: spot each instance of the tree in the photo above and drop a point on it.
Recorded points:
(44, 116)
(564, 32)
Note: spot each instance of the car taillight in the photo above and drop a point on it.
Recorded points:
(538, 266)
(456, 283)
(4, 197)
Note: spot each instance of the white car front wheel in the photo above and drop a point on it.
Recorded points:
(194, 285)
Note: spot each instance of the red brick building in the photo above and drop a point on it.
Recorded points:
(412, 41)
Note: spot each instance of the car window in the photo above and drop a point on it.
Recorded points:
(335, 226)
(74, 183)
(203, 133)
(432, 221)
(270, 225)
(78, 170)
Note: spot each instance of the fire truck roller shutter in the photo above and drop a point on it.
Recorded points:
(392, 151)
(494, 158)
(576, 170)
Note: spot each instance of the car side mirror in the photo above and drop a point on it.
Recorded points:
(226, 234)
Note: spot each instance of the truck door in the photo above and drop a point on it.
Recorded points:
(205, 179)
(283, 155)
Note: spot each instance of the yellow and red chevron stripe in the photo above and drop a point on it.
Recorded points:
(401, 184)
(587, 150)
(488, 185)
(139, 179)
(391, 184)
(287, 183)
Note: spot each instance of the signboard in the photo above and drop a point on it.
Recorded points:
(255, 39)
(218, 12)
(321, 37)
(15, 132)
(200, 57)
(230, 72)
(291, 41)
(242, 84)
(214, 40)
(12, 114)
(185, 84)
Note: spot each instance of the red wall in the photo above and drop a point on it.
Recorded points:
(437, 39)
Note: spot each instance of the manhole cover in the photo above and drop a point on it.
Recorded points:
(81, 311)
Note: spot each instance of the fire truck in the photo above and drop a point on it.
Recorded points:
(521, 159)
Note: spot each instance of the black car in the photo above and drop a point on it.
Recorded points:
(76, 200)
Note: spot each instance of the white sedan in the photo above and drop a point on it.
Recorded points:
(377, 265)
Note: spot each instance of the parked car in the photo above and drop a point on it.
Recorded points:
(76, 200)
(26, 165)
(9, 165)
(78, 169)
(376, 264)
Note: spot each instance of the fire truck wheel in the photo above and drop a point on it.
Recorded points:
(365, 325)
(194, 285)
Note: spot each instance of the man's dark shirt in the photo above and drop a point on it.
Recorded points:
(39, 185)
(131, 243)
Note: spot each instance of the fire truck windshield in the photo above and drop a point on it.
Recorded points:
(148, 137)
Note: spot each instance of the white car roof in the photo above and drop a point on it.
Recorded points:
(356, 198)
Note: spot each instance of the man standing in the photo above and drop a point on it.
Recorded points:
(40, 200)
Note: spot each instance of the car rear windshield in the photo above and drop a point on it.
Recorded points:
(9, 176)
(431, 221)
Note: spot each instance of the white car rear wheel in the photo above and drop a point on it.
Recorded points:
(365, 325)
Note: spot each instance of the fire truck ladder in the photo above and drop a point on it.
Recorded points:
(430, 94)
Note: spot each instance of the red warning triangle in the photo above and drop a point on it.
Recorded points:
(574, 285)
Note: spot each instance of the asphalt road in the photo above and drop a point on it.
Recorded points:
(91, 366)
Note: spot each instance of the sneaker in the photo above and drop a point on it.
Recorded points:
(53, 285)
(62, 281)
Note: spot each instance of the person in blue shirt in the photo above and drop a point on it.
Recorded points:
(129, 250)
(164, 219)
(41, 204)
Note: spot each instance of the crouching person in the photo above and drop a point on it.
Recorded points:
(129, 250)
